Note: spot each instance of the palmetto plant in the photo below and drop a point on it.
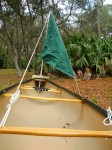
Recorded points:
(91, 52)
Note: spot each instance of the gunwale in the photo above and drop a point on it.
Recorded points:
(91, 104)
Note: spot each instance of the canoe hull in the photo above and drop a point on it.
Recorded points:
(51, 114)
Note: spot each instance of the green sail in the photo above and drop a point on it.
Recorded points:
(54, 52)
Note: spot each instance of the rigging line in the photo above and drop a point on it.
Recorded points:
(109, 118)
(79, 91)
(13, 99)
(16, 95)
(48, 21)
(32, 54)
(41, 69)
(46, 33)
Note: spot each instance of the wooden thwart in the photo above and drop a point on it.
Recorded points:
(33, 87)
(57, 132)
(47, 98)
(30, 88)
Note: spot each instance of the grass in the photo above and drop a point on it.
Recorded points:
(7, 71)
(9, 77)
(94, 99)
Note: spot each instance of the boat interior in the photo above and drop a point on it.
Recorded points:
(57, 114)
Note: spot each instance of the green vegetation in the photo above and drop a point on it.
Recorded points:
(81, 23)
(91, 52)
(94, 99)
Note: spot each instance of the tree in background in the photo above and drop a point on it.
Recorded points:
(22, 22)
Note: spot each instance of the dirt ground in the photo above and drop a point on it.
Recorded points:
(99, 91)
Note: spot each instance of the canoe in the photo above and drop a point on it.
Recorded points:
(39, 115)
(53, 118)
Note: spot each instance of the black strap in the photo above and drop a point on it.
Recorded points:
(39, 89)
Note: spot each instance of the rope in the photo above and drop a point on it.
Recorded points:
(78, 86)
(46, 33)
(13, 99)
(109, 118)
(42, 65)
(32, 56)
(16, 95)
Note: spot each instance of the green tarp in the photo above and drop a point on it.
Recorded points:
(54, 52)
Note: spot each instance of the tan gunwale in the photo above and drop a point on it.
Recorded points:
(57, 132)
(47, 98)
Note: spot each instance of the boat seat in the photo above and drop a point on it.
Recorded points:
(40, 80)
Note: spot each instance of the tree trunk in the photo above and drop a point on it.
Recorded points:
(42, 15)
(98, 19)
(17, 67)
(16, 63)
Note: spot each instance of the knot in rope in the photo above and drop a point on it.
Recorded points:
(14, 98)
(109, 118)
